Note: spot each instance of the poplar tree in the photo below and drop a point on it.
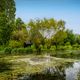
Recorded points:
(7, 17)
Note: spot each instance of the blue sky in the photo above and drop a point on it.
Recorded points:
(67, 10)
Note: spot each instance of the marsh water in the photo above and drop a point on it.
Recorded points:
(71, 72)
(41, 67)
(64, 72)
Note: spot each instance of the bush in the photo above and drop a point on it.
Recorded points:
(8, 50)
(45, 47)
(76, 46)
(21, 50)
(68, 47)
(14, 51)
(42, 47)
(1, 48)
(28, 49)
(15, 44)
(67, 43)
(33, 48)
(60, 47)
(53, 48)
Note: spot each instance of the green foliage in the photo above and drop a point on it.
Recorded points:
(19, 24)
(14, 51)
(36, 38)
(8, 50)
(76, 46)
(39, 33)
(59, 37)
(33, 48)
(42, 47)
(70, 37)
(48, 43)
(20, 35)
(22, 50)
(45, 34)
(15, 44)
(2, 48)
(7, 16)
(53, 48)
(5, 29)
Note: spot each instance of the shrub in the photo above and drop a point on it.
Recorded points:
(21, 50)
(68, 47)
(1, 48)
(15, 44)
(76, 46)
(45, 47)
(42, 47)
(53, 48)
(67, 43)
(33, 48)
(8, 50)
(14, 51)
(28, 49)
(60, 47)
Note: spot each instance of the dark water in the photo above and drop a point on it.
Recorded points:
(67, 72)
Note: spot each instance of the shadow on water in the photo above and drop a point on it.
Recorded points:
(4, 66)
(47, 74)
(69, 72)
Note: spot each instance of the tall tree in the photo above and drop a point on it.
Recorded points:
(7, 16)
(20, 24)
(70, 37)
(60, 35)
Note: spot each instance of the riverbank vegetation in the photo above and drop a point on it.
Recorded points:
(31, 47)
(36, 36)
(45, 34)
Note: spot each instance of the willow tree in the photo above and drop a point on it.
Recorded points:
(60, 36)
(7, 16)
(41, 29)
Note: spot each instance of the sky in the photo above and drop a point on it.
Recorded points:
(67, 10)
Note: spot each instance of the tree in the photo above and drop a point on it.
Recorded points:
(5, 30)
(58, 38)
(7, 16)
(70, 37)
(36, 38)
(45, 29)
(60, 35)
(20, 24)
(18, 38)
(61, 25)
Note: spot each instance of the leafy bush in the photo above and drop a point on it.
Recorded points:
(33, 48)
(68, 47)
(1, 48)
(42, 47)
(45, 47)
(67, 43)
(14, 51)
(15, 44)
(76, 46)
(8, 50)
(60, 47)
(53, 48)
(28, 49)
(21, 50)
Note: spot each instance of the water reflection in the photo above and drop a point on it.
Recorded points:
(70, 72)
(73, 72)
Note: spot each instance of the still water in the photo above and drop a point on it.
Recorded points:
(67, 72)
